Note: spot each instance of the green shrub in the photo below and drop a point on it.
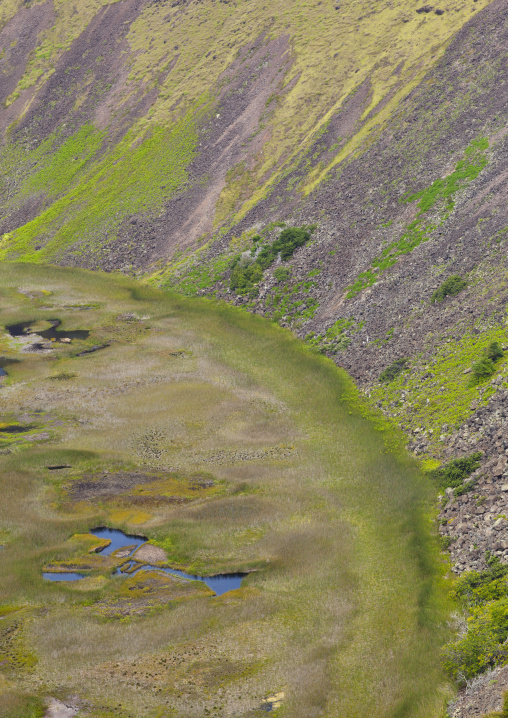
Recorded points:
(255, 240)
(465, 488)
(266, 257)
(244, 276)
(452, 286)
(485, 594)
(281, 274)
(494, 351)
(247, 272)
(289, 240)
(445, 542)
(392, 371)
(476, 588)
(483, 368)
(453, 474)
(482, 647)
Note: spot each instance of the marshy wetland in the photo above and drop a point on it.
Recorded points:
(218, 444)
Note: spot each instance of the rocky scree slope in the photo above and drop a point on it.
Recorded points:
(423, 203)
(135, 132)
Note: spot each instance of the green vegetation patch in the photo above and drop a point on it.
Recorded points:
(292, 303)
(485, 596)
(135, 177)
(485, 367)
(439, 196)
(59, 163)
(453, 474)
(440, 391)
(336, 338)
(194, 274)
(247, 272)
(449, 288)
(393, 371)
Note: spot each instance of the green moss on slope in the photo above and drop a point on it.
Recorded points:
(437, 395)
(137, 176)
(439, 196)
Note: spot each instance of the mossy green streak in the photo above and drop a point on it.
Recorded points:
(137, 176)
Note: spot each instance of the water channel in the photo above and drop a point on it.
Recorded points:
(221, 583)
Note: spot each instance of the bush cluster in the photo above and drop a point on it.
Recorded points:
(452, 475)
(452, 286)
(392, 371)
(281, 274)
(485, 366)
(485, 595)
(248, 271)
(494, 351)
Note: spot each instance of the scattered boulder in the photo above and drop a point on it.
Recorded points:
(57, 709)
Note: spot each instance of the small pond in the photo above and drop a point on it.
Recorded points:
(69, 576)
(118, 540)
(16, 428)
(53, 333)
(219, 584)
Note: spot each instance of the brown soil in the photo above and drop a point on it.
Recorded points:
(223, 144)
(105, 486)
(150, 554)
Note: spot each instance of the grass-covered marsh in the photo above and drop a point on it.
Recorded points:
(343, 609)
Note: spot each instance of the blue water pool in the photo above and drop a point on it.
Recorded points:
(219, 584)
(118, 539)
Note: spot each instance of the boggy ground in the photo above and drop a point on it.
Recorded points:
(251, 454)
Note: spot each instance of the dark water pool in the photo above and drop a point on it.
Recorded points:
(17, 330)
(53, 333)
(219, 584)
(17, 428)
(68, 576)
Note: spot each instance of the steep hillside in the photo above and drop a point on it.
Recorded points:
(135, 130)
